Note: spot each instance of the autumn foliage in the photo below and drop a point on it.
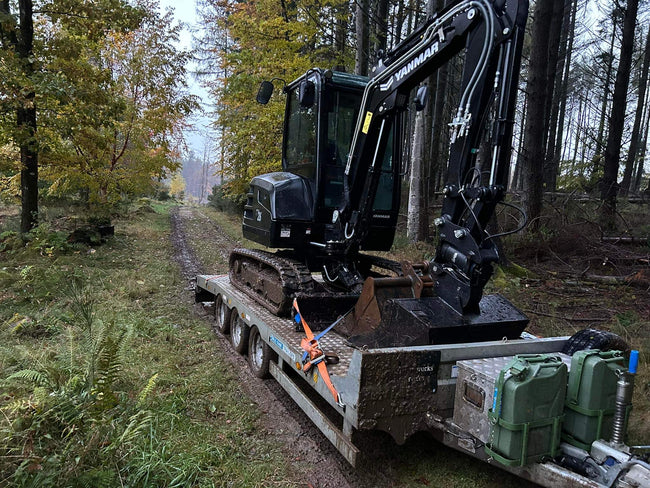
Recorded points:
(246, 42)
(110, 97)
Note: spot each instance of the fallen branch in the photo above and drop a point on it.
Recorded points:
(636, 241)
(640, 279)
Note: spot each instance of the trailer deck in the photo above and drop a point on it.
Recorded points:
(400, 390)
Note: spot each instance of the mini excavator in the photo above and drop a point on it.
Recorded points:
(338, 195)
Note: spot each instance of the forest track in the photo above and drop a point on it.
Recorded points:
(306, 448)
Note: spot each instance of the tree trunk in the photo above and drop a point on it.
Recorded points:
(638, 118)
(438, 93)
(380, 29)
(533, 150)
(363, 38)
(608, 185)
(557, 150)
(341, 13)
(579, 130)
(556, 77)
(517, 183)
(399, 22)
(642, 153)
(26, 119)
(596, 162)
(413, 227)
(554, 36)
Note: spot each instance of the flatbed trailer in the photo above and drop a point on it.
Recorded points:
(400, 390)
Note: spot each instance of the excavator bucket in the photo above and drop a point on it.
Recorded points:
(403, 311)
(368, 309)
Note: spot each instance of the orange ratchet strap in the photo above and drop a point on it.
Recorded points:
(314, 355)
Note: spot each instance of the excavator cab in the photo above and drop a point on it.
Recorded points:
(294, 208)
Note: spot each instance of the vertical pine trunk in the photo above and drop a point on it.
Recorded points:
(26, 123)
(380, 29)
(533, 150)
(363, 38)
(556, 77)
(558, 149)
(642, 153)
(413, 227)
(342, 16)
(633, 151)
(554, 37)
(608, 184)
(399, 22)
(517, 183)
(438, 93)
(600, 138)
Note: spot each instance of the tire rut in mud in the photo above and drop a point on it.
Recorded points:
(307, 450)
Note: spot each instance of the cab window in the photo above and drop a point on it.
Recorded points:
(300, 137)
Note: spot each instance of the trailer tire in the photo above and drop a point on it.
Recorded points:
(594, 339)
(221, 315)
(259, 354)
(239, 332)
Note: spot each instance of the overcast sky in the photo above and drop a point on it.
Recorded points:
(185, 12)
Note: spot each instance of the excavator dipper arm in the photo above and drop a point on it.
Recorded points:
(490, 33)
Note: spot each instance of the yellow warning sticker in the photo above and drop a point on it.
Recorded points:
(366, 123)
(315, 377)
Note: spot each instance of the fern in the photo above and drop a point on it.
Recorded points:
(96, 478)
(146, 391)
(109, 358)
(138, 423)
(37, 378)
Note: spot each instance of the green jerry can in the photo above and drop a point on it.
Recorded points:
(591, 396)
(527, 408)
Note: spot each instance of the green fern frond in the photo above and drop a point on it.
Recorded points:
(138, 423)
(146, 391)
(96, 478)
(35, 377)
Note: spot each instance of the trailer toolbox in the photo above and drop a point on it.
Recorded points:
(513, 404)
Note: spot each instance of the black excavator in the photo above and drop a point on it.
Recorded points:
(339, 192)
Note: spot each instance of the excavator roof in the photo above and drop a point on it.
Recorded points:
(349, 80)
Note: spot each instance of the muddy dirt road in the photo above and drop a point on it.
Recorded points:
(421, 462)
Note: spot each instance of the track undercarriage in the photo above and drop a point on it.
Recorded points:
(271, 280)
(275, 280)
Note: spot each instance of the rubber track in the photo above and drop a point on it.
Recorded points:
(293, 276)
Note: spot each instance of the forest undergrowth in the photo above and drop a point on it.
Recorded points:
(108, 377)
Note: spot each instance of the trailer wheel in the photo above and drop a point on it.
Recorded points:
(259, 354)
(594, 339)
(238, 332)
(221, 315)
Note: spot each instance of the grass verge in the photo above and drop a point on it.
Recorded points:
(108, 378)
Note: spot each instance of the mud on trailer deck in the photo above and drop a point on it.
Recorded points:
(402, 390)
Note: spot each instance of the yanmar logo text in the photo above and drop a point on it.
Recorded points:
(413, 64)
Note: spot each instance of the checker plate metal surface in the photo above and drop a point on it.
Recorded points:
(283, 329)
(475, 392)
